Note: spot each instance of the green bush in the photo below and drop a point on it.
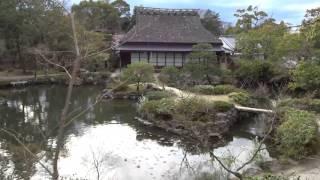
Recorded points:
(186, 109)
(138, 72)
(224, 89)
(214, 90)
(222, 106)
(189, 106)
(169, 75)
(251, 73)
(303, 104)
(297, 133)
(241, 98)
(196, 109)
(306, 76)
(157, 95)
(154, 107)
(203, 89)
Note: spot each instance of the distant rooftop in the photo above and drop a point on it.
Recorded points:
(229, 43)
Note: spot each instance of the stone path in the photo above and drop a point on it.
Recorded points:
(225, 98)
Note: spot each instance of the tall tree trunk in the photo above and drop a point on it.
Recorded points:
(21, 59)
(75, 69)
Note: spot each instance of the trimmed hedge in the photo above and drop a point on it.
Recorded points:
(203, 89)
(215, 90)
(224, 89)
(154, 107)
(157, 95)
(222, 106)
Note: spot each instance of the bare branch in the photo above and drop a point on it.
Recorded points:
(55, 64)
(99, 52)
(123, 42)
(98, 99)
(96, 164)
(256, 152)
(63, 117)
(259, 146)
(238, 175)
(185, 160)
(27, 149)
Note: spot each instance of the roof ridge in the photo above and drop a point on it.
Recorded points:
(139, 10)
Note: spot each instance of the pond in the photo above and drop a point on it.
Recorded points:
(106, 141)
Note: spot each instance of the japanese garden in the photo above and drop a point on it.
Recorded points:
(103, 90)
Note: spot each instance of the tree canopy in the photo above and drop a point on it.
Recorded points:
(211, 21)
(27, 24)
(44, 24)
(97, 16)
(251, 17)
(311, 26)
(138, 72)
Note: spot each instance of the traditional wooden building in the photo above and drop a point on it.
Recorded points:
(164, 37)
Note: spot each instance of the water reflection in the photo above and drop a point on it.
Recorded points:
(105, 142)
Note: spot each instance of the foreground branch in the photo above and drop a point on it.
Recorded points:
(55, 64)
(256, 152)
(27, 149)
(63, 117)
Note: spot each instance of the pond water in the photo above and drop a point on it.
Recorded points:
(106, 141)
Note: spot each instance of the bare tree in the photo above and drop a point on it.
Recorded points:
(63, 117)
(236, 172)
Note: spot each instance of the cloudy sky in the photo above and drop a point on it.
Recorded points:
(291, 11)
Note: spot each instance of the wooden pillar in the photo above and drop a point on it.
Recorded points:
(183, 58)
(165, 59)
(157, 59)
(174, 59)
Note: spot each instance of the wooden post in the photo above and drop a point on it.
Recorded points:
(157, 59)
(165, 59)
(174, 59)
(183, 58)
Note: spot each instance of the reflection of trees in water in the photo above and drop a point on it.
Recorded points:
(32, 115)
(5, 171)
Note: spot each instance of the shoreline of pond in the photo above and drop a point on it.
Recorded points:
(89, 78)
